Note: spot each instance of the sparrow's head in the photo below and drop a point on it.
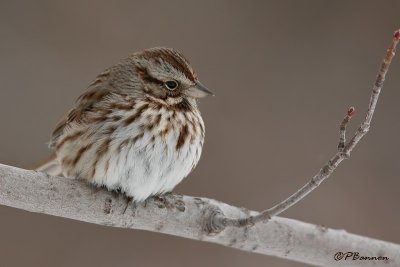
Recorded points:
(165, 73)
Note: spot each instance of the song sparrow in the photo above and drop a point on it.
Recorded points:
(137, 128)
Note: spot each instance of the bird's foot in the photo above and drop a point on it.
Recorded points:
(169, 201)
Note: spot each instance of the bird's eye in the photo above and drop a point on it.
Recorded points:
(171, 85)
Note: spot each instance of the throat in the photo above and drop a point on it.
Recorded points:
(172, 101)
(178, 103)
(184, 104)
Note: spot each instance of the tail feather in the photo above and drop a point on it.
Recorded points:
(51, 166)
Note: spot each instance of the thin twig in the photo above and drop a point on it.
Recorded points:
(343, 125)
(343, 153)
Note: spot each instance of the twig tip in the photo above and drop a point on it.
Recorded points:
(396, 34)
(351, 111)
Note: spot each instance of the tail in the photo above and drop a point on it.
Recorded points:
(51, 166)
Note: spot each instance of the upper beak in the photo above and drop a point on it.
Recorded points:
(198, 90)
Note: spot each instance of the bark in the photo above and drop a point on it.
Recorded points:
(189, 217)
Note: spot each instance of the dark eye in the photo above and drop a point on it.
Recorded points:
(171, 85)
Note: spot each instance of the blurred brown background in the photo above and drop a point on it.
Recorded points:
(284, 73)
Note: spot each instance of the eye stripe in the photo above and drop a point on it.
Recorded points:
(146, 77)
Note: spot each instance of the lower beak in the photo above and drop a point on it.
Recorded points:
(198, 90)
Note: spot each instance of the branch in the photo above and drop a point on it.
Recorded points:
(188, 217)
(343, 150)
(343, 126)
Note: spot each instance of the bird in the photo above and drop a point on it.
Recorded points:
(137, 128)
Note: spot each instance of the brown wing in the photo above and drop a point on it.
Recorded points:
(96, 91)
(58, 131)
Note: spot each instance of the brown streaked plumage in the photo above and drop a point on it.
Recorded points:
(80, 153)
(136, 115)
(183, 135)
(174, 58)
(137, 127)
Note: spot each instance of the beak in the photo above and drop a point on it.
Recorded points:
(198, 90)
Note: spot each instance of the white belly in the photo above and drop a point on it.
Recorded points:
(150, 167)
(141, 162)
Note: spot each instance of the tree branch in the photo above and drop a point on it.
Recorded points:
(188, 217)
